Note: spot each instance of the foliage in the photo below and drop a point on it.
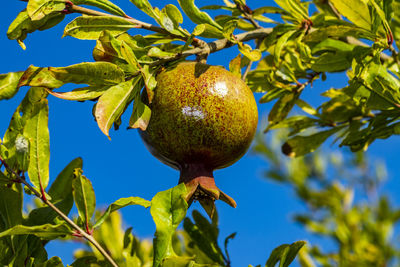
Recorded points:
(293, 49)
(344, 205)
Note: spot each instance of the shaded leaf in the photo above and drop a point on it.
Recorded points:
(37, 132)
(168, 209)
(282, 108)
(119, 204)
(52, 262)
(9, 84)
(300, 145)
(113, 102)
(62, 185)
(284, 254)
(332, 62)
(91, 27)
(338, 31)
(106, 5)
(84, 196)
(10, 206)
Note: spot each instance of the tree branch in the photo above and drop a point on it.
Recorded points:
(88, 237)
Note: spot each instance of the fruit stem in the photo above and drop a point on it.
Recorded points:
(200, 183)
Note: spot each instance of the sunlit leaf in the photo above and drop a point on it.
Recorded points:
(22, 25)
(146, 7)
(196, 15)
(38, 9)
(106, 5)
(168, 209)
(119, 204)
(332, 62)
(234, 66)
(37, 132)
(91, 27)
(112, 103)
(9, 84)
(356, 11)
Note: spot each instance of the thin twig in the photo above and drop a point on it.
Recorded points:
(90, 238)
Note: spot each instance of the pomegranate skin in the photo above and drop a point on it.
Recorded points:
(202, 116)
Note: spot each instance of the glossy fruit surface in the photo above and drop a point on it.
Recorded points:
(202, 118)
(201, 114)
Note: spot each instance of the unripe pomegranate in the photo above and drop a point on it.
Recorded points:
(203, 118)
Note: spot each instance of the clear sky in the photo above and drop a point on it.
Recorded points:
(123, 167)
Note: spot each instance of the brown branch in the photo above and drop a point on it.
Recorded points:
(88, 237)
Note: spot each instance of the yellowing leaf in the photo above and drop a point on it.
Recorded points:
(113, 102)
(90, 27)
(356, 11)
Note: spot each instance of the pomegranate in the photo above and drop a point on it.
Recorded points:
(203, 118)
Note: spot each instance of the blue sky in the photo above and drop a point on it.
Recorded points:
(123, 167)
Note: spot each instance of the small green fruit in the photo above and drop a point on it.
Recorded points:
(203, 118)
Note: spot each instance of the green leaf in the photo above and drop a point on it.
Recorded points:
(112, 103)
(84, 196)
(146, 7)
(81, 94)
(38, 9)
(296, 123)
(4, 179)
(173, 13)
(46, 231)
(10, 206)
(282, 108)
(22, 25)
(332, 45)
(85, 261)
(294, 8)
(235, 66)
(106, 5)
(280, 44)
(91, 27)
(119, 204)
(356, 11)
(157, 52)
(300, 145)
(9, 84)
(196, 15)
(37, 132)
(332, 62)
(46, 214)
(337, 31)
(149, 80)
(284, 254)
(62, 185)
(92, 73)
(252, 55)
(140, 116)
(203, 241)
(52, 262)
(168, 209)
